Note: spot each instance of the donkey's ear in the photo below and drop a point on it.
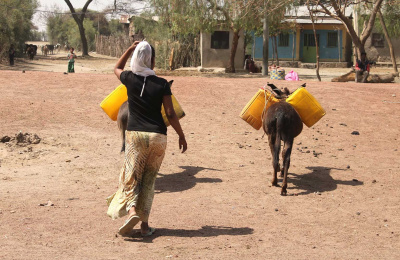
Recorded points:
(286, 91)
(170, 82)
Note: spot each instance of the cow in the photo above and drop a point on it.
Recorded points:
(45, 50)
(57, 47)
(50, 47)
(31, 50)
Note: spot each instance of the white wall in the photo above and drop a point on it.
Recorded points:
(220, 57)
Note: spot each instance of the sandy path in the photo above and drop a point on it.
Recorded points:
(213, 202)
(101, 64)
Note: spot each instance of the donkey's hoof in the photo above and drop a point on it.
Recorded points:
(283, 192)
(275, 183)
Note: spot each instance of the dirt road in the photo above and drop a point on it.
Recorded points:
(213, 202)
(101, 64)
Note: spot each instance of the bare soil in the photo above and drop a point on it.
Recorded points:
(214, 201)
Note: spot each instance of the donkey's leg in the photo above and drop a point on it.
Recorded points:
(283, 163)
(275, 145)
(122, 121)
(287, 150)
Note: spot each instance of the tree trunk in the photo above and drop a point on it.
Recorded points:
(316, 41)
(79, 21)
(336, 12)
(85, 49)
(273, 49)
(276, 51)
(265, 45)
(235, 40)
(294, 35)
(389, 41)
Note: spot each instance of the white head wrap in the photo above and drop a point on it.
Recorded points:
(141, 61)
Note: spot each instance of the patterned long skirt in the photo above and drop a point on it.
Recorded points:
(144, 153)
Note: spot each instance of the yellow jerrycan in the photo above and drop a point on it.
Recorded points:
(178, 110)
(113, 101)
(307, 106)
(118, 96)
(252, 113)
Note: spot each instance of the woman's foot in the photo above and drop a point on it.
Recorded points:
(130, 223)
(126, 229)
(146, 230)
(131, 212)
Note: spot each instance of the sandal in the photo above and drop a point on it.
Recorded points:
(129, 225)
(151, 231)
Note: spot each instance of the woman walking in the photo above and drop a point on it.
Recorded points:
(146, 137)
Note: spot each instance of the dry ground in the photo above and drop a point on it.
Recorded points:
(101, 64)
(214, 201)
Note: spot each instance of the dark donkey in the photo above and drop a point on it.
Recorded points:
(122, 119)
(281, 123)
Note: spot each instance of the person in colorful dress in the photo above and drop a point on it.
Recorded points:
(146, 138)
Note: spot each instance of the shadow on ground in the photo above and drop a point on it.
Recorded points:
(183, 180)
(24, 64)
(205, 231)
(318, 180)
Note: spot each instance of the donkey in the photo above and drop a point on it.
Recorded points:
(122, 119)
(281, 123)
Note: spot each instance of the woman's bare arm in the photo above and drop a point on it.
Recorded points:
(119, 67)
(174, 121)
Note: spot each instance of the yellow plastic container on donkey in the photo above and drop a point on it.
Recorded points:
(252, 113)
(307, 106)
(115, 99)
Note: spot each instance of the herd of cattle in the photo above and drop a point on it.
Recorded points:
(31, 49)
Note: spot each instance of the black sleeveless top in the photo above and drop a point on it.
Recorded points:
(145, 108)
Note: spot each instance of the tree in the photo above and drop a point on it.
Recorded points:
(57, 27)
(35, 35)
(265, 44)
(115, 27)
(337, 9)
(74, 40)
(389, 41)
(99, 20)
(315, 38)
(79, 19)
(15, 23)
(188, 16)
(125, 6)
(390, 14)
(272, 25)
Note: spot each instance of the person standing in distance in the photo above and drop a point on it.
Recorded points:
(71, 61)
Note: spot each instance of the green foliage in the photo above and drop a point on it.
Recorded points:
(35, 35)
(62, 28)
(163, 38)
(115, 28)
(15, 23)
(100, 22)
(57, 27)
(190, 16)
(157, 34)
(391, 15)
(186, 17)
(73, 36)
